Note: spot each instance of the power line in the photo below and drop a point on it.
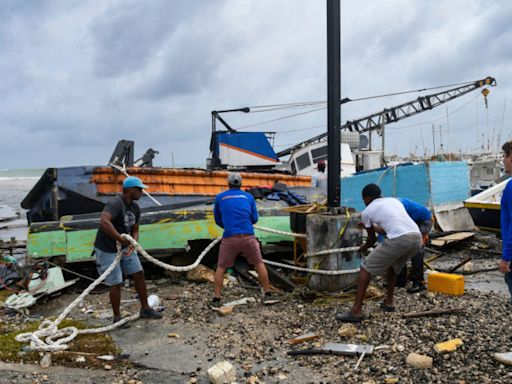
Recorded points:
(280, 118)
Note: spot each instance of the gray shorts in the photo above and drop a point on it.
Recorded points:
(129, 265)
(392, 253)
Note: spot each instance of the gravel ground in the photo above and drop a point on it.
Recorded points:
(254, 338)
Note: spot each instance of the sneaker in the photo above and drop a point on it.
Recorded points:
(124, 326)
(149, 314)
(267, 299)
(415, 288)
(215, 304)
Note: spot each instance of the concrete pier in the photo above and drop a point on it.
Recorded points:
(323, 231)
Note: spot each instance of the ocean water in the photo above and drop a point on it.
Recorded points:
(15, 184)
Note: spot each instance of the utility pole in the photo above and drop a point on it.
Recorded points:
(433, 140)
(333, 103)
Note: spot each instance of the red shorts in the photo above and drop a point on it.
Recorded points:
(230, 247)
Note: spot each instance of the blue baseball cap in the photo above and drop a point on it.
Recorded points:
(132, 181)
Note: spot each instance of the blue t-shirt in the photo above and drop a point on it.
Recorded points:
(506, 222)
(416, 211)
(236, 212)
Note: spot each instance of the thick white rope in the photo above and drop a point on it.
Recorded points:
(265, 229)
(170, 267)
(312, 270)
(57, 339)
(330, 251)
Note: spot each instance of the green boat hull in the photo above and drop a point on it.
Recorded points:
(166, 235)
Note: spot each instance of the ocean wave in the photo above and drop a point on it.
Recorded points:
(19, 178)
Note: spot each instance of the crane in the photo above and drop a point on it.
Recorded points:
(394, 114)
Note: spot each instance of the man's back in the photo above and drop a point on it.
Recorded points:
(236, 212)
(389, 214)
(416, 211)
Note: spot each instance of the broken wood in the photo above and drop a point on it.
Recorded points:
(303, 338)
(433, 312)
(465, 261)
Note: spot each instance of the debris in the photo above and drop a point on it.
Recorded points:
(454, 237)
(468, 267)
(307, 337)
(243, 301)
(153, 301)
(505, 358)
(174, 335)
(462, 263)
(347, 330)
(419, 361)
(201, 274)
(107, 367)
(80, 359)
(335, 349)
(448, 346)
(224, 310)
(391, 380)
(433, 312)
(106, 357)
(359, 360)
(222, 372)
(281, 376)
(46, 361)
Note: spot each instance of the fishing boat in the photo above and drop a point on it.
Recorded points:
(485, 207)
(65, 204)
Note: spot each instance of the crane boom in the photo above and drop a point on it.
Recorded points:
(399, 112)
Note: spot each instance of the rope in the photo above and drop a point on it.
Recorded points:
(123, 171)
(265, 229)
(57, 339)
(310, 270)
(169, 267)
(330, 251)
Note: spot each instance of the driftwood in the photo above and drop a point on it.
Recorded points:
(433, 312)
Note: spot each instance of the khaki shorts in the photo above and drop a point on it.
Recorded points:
(392, 253)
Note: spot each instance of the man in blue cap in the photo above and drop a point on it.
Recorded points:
(121, 215)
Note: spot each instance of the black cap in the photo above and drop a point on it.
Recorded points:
(371, 190)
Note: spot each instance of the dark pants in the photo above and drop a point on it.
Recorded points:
(417, 272)
(508, 280)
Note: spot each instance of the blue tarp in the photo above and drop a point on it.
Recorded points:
(429, 184)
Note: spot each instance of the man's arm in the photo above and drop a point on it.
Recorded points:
(107, 227)
(254, 212)
(370, 241)
(217, 214)
(506, 231)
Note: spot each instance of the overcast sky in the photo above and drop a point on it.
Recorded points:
(77, 76)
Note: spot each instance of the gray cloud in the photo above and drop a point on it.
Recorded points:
(77, 77)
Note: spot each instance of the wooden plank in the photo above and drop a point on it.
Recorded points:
(454, 237)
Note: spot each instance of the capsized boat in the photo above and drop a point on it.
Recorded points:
(485, 207)
(64, 207)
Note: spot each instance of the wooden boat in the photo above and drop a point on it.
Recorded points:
(65, 205)
(485, 207)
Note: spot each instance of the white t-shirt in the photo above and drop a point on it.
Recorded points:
(389, 214)
(319, 180)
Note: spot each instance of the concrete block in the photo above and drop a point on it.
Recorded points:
(222, 373)
(323, 231)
